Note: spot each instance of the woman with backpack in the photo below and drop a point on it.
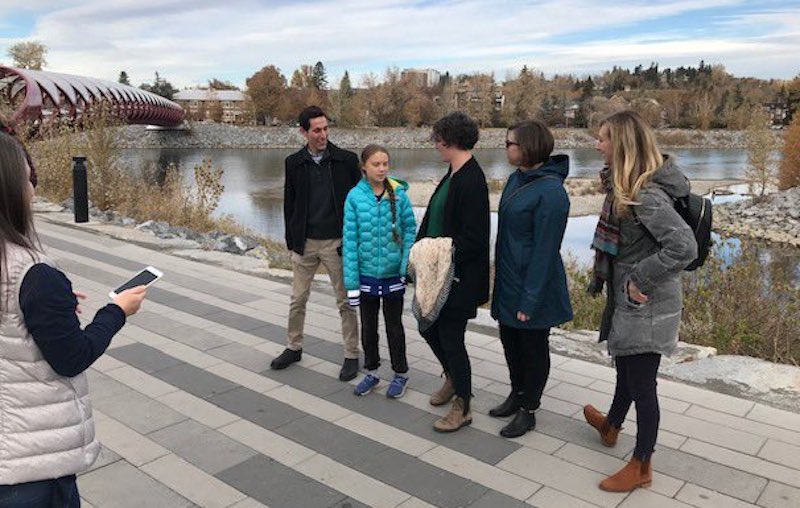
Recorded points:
(641, 247)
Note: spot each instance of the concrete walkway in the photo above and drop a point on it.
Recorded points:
(190, 414)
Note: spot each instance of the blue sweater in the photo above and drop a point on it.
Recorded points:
(368, 246)
(529, 275)
(48, 308)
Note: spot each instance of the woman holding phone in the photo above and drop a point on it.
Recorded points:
(47, 432)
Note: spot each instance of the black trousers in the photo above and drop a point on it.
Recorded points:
(395, 334)
(636, 383)
(528, 357)
(446, 339)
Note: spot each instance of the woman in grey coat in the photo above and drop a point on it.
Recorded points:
(641, 247)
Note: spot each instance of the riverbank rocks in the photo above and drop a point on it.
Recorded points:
(213, 135)
(774, 218)
(583, 344)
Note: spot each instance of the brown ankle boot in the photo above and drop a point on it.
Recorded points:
(458, 416)
(608, 433)
(635, 474)
(443, 395)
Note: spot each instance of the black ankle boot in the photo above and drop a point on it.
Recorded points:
(507, 408)
(523, 421)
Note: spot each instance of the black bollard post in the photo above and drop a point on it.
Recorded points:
(80, 189)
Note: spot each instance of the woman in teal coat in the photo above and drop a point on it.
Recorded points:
(379, 230)
(530, 289)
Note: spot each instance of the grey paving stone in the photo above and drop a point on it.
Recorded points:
(90, 272)
(331, 440)
(139, 412)
(143, 357)
(243, 356)
(120, 485)
(154, 322)
(778, 495)
(197, 337)
(181, 303)
(580, 433)
(308, 381)
(105, 458)
(102, 386)
(216, 453)
(436, 486)
(708, 474)
(256, 408)
(195, 380)
(97, 255)
(234, 320)
(275, 333)
(276, 485)
(494, 499)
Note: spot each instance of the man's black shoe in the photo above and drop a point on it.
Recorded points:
(507, 408)
(523, 421)
(349, 369)
(288, 357)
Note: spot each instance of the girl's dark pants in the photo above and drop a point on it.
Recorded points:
(636, 383)
(395, 334)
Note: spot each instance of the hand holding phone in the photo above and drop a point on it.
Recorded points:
(130, 300)
(144, 278)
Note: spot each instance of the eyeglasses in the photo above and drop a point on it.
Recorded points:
(511, 143)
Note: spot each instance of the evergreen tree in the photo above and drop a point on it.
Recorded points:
(123, 78)
(319, 78)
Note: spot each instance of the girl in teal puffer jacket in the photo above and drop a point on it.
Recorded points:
(379, 229)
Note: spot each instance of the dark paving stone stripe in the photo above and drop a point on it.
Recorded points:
(224, 292)
(274, 484)
(370, 457)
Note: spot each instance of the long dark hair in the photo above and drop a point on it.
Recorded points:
(16, 217)
(368, 152)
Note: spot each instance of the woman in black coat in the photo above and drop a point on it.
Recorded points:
(458, 209)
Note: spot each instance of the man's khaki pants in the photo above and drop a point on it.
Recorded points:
(303, 269)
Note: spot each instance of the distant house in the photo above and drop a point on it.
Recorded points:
(423, 78)
(201, 104)
(778, 113)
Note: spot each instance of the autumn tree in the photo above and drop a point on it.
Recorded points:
(28, 55)
(789, 173)
(267, 90)
(524, 96)
(761, 145)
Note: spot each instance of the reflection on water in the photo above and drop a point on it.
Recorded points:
(253, 179)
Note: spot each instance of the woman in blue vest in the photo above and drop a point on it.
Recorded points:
(379, 230)
(530, 289)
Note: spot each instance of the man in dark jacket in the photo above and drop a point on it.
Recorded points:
(318, 178)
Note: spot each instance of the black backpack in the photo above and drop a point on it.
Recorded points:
(696, 212)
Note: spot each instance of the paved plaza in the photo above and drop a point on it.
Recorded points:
(189, 413)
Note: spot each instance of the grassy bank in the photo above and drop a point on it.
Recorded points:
(747, 306)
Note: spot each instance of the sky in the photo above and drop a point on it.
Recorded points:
(191, 41)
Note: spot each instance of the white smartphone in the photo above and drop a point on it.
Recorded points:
(144, 278)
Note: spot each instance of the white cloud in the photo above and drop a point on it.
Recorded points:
(189, 42)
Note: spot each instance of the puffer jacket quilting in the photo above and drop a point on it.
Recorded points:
(368, 247)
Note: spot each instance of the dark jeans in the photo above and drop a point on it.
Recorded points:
(636, 382)
(446, 339)
(59, 493)
(395, 334)
(528, 357)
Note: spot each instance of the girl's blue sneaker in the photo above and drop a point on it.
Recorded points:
(367, 384)
(397, 388)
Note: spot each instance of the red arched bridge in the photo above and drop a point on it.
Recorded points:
(44, 97)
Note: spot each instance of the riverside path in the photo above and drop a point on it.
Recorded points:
(189, 413)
